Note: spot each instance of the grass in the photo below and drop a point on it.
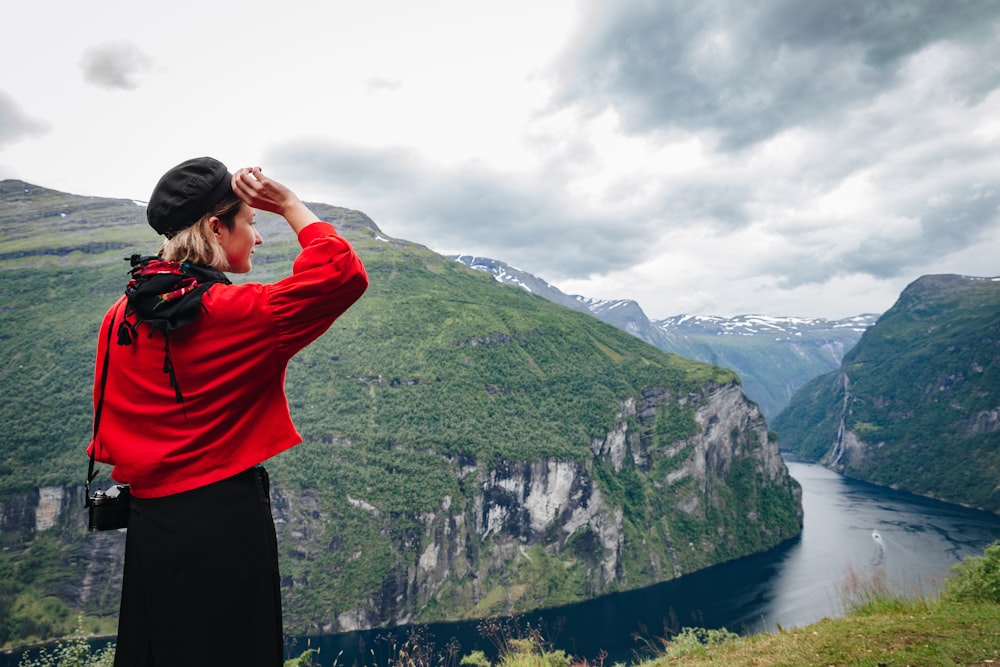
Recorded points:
(73, 651)
(916, 633)
(960, 625)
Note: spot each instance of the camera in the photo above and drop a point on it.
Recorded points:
(109, 509)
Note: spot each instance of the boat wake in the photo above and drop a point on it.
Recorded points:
(880, 548)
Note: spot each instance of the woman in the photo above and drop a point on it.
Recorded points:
(191, 401)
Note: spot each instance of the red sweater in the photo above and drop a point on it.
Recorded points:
(230, 366)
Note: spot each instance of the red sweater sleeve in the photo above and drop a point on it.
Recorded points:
(327, 278)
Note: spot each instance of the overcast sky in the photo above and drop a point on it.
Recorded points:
(718, 157)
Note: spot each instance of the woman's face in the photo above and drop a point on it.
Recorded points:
(240, 241)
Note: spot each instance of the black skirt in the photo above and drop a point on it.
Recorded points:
(201, 583)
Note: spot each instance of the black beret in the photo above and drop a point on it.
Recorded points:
(186, 193)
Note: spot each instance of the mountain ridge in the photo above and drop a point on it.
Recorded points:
(771, 368)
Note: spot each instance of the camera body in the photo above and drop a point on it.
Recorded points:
(109, 509)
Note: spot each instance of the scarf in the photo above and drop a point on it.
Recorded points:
(166, 296)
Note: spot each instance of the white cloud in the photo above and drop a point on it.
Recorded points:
(117, 65)
(15, 124)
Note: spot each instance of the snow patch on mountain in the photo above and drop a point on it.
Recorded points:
(754, 325)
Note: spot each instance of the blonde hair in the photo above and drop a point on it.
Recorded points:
(198, 243)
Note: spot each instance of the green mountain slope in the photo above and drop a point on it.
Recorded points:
(470, 449)
(916, 404)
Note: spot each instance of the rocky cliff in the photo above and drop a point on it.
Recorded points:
(520, 534)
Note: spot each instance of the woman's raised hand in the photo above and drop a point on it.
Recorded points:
(267, 194)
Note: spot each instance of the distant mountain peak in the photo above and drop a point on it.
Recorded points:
(795, 349)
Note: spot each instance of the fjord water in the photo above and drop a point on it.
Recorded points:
(917, 541)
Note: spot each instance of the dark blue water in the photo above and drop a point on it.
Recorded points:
(796, 584)
(800, 582)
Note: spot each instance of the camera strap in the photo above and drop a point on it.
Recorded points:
(97, 415)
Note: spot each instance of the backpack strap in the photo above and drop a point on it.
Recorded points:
(97, 415)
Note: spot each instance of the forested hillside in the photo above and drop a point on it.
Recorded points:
(916, 404)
